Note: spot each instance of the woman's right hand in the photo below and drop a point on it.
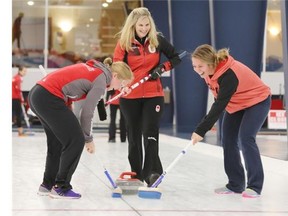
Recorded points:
(90, 147)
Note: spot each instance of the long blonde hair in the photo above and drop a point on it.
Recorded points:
(209, 55)
(122, 70)
(127, 34)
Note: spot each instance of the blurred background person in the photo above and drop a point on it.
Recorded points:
(114, 106)
(16, 29)
(17, 98)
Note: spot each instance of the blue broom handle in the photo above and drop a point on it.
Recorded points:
(109, 178)
(158, 181)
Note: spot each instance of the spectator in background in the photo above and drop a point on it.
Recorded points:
(114, 106)
(16, 29)
(17, 98)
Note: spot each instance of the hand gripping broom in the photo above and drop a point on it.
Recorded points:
(135, 85)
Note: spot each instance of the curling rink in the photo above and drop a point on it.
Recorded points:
(187, 190)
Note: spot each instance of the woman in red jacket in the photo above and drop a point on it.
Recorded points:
(245, 100)
(17, 98)
(50, 98)
(141, 46)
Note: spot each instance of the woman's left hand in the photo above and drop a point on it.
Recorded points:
(126, 90)
(196, 138)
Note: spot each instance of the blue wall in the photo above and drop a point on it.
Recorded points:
(239, 25)
(191, 27)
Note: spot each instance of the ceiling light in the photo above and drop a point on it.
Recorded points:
(66, 26)
(105, 4)
(30, 3)
(274, 31)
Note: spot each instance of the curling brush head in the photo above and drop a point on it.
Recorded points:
(149, 193)
(117, 192)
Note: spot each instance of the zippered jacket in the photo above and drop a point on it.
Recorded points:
(142, 59)
(80, 81)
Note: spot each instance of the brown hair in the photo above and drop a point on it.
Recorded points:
(209, 55)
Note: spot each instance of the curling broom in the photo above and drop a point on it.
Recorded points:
(135, 85)
(153, 192)
(29, 133)
(117, 191)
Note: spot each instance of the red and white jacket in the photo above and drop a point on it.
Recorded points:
(142, 59)
(16, 87)
(80, 81)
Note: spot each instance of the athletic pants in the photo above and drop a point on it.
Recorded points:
(65, 138)
(112, 125)
(17, 111)
(142, 119)
(239, 132)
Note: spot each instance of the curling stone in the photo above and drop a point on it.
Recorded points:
(128, 184)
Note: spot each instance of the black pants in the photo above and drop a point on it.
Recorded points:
(142, 119)
(17, 111)
(17, 37)
(65, 138)
(112, 125)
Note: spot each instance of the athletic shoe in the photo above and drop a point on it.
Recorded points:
(111, 140)
(43, 190)
(152, 178)
(22, 135)
(223, 190)
(249, 193)
(58, 193)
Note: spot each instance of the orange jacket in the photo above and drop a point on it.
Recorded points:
(250, 91)
(235, 87)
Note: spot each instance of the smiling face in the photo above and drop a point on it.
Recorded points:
(142, 26)
(202, 68)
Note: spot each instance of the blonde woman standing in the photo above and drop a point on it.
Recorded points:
(141, 46)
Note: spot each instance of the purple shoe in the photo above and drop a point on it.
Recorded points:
(58, 193)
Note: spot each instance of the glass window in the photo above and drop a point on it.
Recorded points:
(273, 52)
(77, 30)
(27, 33)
